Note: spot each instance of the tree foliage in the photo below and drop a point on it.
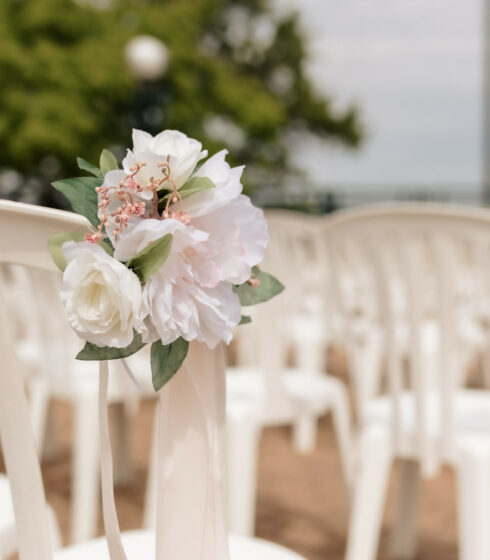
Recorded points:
(66, 89)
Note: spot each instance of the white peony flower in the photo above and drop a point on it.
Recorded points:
(183, 152)
(185, 298)
(237, 229)
(237, 238)
(185, 309)
(227, 186)
(102, 298)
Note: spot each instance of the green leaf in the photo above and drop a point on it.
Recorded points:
(107, 246)
(108, 162)
(151, 258)
(267, 289)
(193, 186)
(55, 244)
(166, 361)
(80, 192)
(84, 165)
(92, 352)
(245, 320)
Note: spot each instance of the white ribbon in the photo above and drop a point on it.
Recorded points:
(190, 472)
(191, 517)
(111, 523)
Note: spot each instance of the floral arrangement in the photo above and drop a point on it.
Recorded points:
(172, 256)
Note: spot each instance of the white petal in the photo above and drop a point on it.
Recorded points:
(227, 186)
(142, 141)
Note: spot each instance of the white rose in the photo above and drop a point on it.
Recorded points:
(102, 297)
(183, 153)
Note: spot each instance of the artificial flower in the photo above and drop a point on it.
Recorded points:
(101, 296)
(186, 297)
(181, 152)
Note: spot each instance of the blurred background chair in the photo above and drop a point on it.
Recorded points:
(296, 254)
(419, 262)
(279, 359)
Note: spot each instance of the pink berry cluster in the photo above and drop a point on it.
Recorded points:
(130, 206)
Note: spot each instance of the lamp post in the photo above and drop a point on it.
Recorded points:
(147, 59)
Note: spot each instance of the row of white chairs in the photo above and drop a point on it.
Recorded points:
(405, 290)
(401, 286)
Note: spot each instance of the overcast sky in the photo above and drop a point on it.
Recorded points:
(414, 67)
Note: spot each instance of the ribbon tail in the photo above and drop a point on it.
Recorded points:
(111, 523)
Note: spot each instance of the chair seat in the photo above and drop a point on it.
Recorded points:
(471, 416)
(140, 545)
(307, 327)
(301, 388)
(312, 388)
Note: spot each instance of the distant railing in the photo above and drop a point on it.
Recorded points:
(311, 197)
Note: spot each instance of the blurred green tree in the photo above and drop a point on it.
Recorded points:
(235, 79)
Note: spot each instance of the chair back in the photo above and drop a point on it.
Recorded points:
(24, 234)
(422, 267)
(296, 256)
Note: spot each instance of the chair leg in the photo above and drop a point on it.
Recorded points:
(39, 406)
(310, 355)
(305, 432)
(51, 444)
(474, 502)
(342, 427)
(242, 441)
(486, 366)
(85, 470)
(369, 496)
(403, 541)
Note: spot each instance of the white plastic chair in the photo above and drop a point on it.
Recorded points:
(261, 378)
(24, 231)
(288, 395)
(298, 320)
(140, 545)
(296, 255)
(414, 252)
(48, 350)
